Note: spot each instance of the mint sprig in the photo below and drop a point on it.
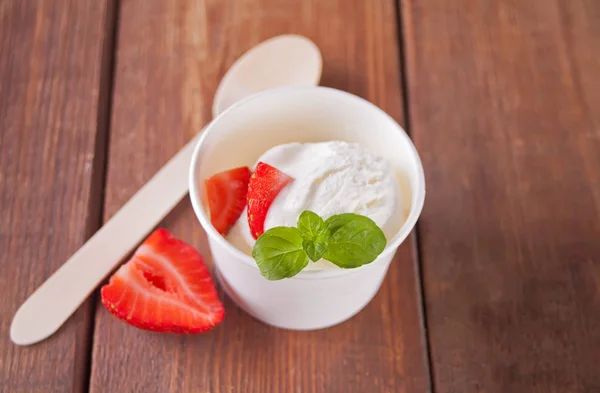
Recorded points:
(348, 240)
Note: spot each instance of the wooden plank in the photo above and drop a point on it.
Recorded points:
(53, 64)
(505, 109)
(170, 58)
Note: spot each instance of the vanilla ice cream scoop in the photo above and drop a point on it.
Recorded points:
(329, 178)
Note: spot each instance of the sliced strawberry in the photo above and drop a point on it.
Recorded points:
(226, 192)
(164, 287)
(264, 186)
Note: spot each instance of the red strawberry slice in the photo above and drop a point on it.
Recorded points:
(164, 287)
(264, 186)
(226, 192)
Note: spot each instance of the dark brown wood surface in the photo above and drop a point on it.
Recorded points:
(52, 104)
(503, 103)
(505, 109)
(170, 58)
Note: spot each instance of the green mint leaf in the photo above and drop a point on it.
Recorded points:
(314, 249)
(312, 229)
(353, 240)
(310, 225)
(278, 253)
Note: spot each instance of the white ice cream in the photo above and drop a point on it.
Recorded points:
(329, 178)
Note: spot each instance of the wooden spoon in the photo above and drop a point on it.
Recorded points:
(287, 60)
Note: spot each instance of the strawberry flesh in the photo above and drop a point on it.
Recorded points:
(264, 186)
(226, 193)
(164, 287)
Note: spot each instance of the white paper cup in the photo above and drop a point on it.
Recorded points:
(316, 298)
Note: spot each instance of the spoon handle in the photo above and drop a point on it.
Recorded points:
(56, 299)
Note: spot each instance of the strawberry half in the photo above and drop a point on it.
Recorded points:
(264, 186)
(226, 193)
(164, 287)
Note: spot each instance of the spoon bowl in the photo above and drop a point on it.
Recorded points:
(286, 60)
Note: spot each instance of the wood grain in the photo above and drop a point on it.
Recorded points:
(505, 110)
(52, 106)
(171, 56)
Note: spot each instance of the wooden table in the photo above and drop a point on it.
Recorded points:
(498, 289)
